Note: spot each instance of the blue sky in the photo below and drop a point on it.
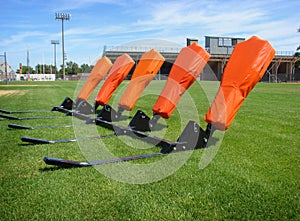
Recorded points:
(31, 25)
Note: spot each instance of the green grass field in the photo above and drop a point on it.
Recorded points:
(255, 174)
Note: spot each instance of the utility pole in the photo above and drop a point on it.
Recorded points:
(28, 71)
(55, 42)
(5, 68)
(62, 17)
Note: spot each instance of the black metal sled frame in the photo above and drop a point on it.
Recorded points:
(192, 137)
(191, 134)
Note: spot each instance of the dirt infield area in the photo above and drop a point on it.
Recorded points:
(9, 92)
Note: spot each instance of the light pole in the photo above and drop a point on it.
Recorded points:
(55, 42)
(5, 68)
(62, 17)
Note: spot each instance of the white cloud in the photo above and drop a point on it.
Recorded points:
(20, 37)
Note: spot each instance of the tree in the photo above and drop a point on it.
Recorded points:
(85, 68)
(72, 68)
(25, 70)
(45, 69)
(297, 63)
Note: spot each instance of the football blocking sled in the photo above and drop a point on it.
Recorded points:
(245, 68)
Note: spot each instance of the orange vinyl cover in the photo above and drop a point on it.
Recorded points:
(185, 70)
(246, 66)
(117, 74)
(97, 74)
(147, 68)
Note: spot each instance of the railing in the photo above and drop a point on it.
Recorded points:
(171, 49)
(285, 53)
(142, 49)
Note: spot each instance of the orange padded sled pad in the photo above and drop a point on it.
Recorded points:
(147, 68)
(185, 70)
(246, 66)
(97, 74)
(117, 74)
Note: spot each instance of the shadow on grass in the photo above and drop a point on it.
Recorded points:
(159, 126)
(28, 144)
(212, 141)
(53, 168)
(123, 117)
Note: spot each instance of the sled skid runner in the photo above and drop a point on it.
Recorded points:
(71, 163)
(35, 140)
(65, 163)
(17, 126)
(10, 117)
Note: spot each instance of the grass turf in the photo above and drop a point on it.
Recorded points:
(254, 176)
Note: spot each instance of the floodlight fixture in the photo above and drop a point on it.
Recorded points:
(62, 17)
(54, 41)
(5, 67)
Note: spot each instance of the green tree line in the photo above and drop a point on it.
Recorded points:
(71, 68)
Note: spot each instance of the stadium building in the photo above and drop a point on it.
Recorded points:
(281, 68)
